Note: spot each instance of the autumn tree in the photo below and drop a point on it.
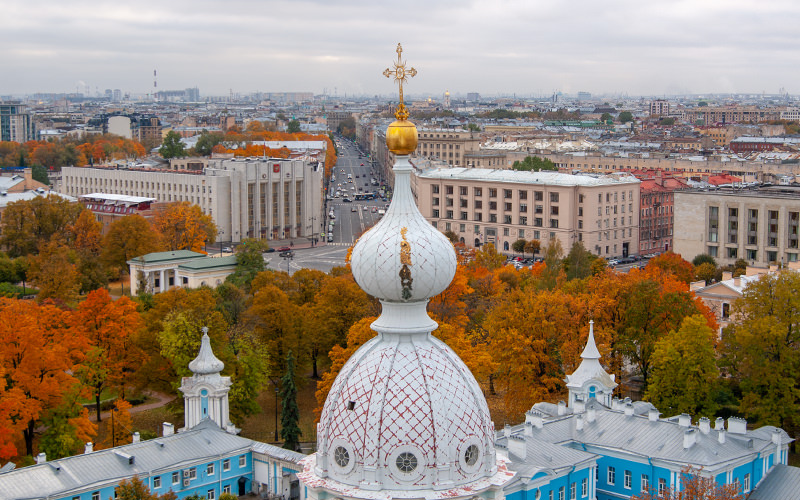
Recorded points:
(184, 226)
(290, 413)
(135, 489)
(38, 354)
(109, 326)
(488, 256)
(85, 241)
(128, 237)
(27, 224)
(553, 254)
(276, 322)
(533, 246)
(761, 349)
(121, 425)
(68, 427)
(672, 263)
(54, 272)
(695, 486)
(684, 371)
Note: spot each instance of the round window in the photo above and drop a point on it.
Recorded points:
(406, 462)
(341, 456)
(471, 455)
(204, 392)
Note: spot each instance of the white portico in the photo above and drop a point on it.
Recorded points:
(205, 393)
(163, 270)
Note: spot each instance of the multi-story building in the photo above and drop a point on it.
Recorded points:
(15, 123)
(450, 146)
(708, 115)
(659, 107)
(263, 198)
(501, 206)
(109, 207)
(759, 225)
(657, 212)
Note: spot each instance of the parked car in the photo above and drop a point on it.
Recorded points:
(227, 249)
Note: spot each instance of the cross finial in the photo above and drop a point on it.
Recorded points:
(401, 75)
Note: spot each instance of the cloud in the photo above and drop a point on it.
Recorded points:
(504, 46)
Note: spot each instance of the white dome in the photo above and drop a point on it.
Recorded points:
(405, 413)
(403, 258)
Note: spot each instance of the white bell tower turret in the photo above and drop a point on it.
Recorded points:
(590, 380)
(205, 394)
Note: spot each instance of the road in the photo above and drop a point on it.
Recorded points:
(350, 218)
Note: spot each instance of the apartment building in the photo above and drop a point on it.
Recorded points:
(708, 115)
(447, 145)
(659, 107)
(657, 212)
(501, 206)
(263, 198)
(759, 225)
(15, 123)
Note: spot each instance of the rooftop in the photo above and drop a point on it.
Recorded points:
(519, 177)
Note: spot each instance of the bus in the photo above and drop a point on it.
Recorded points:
(365, 196)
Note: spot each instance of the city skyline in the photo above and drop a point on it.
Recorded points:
(663, 48)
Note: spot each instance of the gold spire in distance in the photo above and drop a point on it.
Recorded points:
(401, 75)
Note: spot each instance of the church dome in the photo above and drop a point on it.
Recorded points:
(206, 363)
(403, 258)
(405, 413)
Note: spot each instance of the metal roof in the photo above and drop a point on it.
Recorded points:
(103, 468)
(209, 263)
(782, 483)
(518, 177)
(151, 258)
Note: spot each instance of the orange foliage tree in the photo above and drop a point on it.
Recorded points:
(109, 326)
(184, 226)
(39, 354)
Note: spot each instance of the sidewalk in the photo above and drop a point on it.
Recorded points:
(161, 400)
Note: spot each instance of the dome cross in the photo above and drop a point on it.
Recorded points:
(401, 75)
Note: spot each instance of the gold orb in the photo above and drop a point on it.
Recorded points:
(401, 137)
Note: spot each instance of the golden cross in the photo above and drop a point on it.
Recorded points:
(400, 75)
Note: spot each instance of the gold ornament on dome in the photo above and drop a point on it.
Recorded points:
(401, 136)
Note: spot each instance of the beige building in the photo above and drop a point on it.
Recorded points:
(450, 146)
(501, 206)
(161, 271)
(759, 225)
(248, 198)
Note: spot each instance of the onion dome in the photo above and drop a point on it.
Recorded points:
(206, 363)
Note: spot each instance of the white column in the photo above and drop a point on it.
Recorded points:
(162, 283)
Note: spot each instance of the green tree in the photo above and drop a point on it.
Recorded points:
(472, 127)
(578, 262)
(39, 173)
(553, 254)
(702, 258)
(684, 371)
(249, 262)
(702, 104)
(293, 127)
(207, 141)
(761, 349)
(667, 122)
(534, 164)
(172, 147)
(453, 237)
(290, 413)
(625, 117)
(519, 246)
(606, 118)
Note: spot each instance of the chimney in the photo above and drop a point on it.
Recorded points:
(689, 438)
(719, 424)
(629, 409)
(136, 437)
(579, 406)
(737, 281)
(528, 429)
(652, 415)
(591, 415)
(516, 445)
(684, 420)
(562, 408)
(28, 175)
(726, 275)
(89, 448)
(41, 458)
(721, 436)
(737, 425)
(536, 421)
(704, 424)
(615, 404)
(167, 429)
(776, 436)
(579, 422)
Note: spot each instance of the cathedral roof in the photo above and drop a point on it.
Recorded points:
(206, 363)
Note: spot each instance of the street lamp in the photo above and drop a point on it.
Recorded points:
(288, 259)
(276, 409)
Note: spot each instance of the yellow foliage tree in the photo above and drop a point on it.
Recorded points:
(184, 226)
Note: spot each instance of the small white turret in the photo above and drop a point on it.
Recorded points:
(590, 380)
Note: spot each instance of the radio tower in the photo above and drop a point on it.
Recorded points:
(155, 86)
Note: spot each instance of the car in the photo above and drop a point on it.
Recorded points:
(374, 210)
(227, 249)
(269, 250)
(362, 164)
(613, 262)
(354, 209)
(330, 238)
(288, 254)
(366, 208)
(358, 176)
(284, 249)
(347, 200)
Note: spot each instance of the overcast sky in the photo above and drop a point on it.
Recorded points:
(528, 47)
